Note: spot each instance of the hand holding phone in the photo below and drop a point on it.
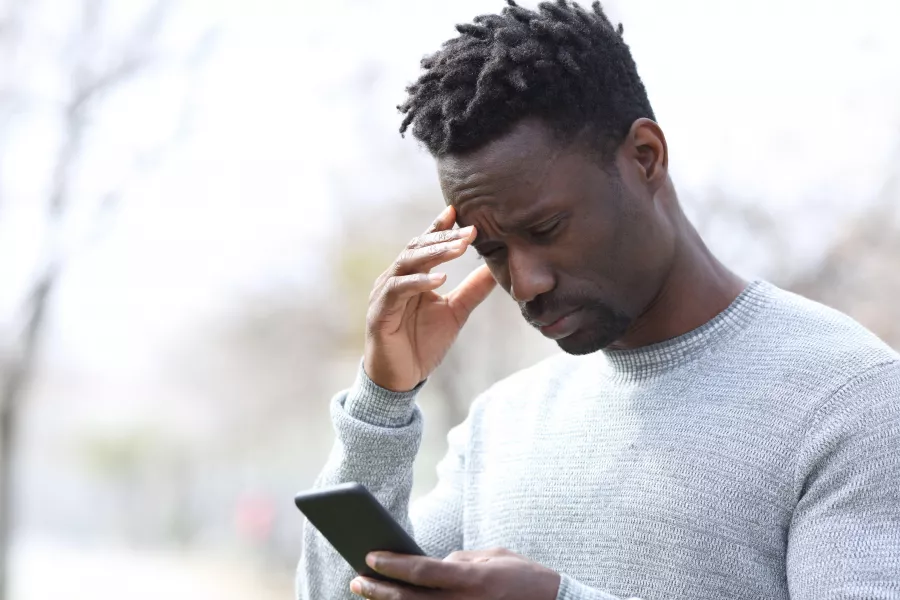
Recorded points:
(355, 524)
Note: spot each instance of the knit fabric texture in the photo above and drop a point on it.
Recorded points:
(757, 456)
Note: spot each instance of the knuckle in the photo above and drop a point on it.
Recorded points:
(500, 552)
(446, 235)
(373, 318)
(376, 307)
(406, 257)
(376, 291)
(391, 286)
(396, 594)
(476, 579)
(419, 572)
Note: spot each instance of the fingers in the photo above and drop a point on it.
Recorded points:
(471, 292)
(400, 288)
(430, 249)
(396, 290)
(439, 232)
(464, 556)
(461, 556)
(446, 235)
(409, 275)
(421, 254)
(445, 220)
(422, 259)
(372, 589)
(420, 571)
(479, 555)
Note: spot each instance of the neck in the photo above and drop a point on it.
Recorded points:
(697, 288)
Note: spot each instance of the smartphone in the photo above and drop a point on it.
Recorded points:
(355, 523)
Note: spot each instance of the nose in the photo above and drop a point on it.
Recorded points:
(528, 276)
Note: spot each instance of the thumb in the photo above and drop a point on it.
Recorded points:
(471, 292)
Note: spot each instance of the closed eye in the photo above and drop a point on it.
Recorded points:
(488, 252)
(547, 228)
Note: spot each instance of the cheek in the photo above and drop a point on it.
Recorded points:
(588, 250)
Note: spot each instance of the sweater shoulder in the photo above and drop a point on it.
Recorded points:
(805, 335)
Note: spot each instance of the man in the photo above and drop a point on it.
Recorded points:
(700, 437)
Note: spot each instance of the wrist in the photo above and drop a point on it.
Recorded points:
(376, 405)
(388, 383)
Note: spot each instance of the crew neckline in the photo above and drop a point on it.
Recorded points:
(655, 359)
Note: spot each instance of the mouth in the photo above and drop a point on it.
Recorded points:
(561, 326)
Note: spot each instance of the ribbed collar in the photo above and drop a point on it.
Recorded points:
(649, 361)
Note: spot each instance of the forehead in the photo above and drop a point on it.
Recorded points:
(528, 164)
(513, 157)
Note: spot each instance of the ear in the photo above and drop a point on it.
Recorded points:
(646, 146)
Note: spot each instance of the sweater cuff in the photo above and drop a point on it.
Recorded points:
(569, 589)
(369, 402)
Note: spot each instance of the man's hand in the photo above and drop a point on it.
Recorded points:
(488, 575)
(410, 327)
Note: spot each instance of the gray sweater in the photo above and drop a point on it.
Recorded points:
(755, 457)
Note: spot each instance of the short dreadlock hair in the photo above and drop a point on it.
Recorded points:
(567, 66)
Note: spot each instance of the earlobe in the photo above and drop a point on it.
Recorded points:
(650, 151)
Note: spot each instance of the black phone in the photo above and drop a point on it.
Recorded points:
(355, 523)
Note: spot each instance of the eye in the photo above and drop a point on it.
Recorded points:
(547, 228)
(487, 253)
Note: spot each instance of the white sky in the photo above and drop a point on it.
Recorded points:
(790, 103)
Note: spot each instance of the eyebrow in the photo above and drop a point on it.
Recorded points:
(523, 222)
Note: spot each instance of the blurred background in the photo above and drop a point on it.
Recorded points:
(196, 196)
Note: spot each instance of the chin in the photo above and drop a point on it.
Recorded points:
(586, 341)
(597, 335)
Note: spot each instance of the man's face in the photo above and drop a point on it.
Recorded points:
(583, 250)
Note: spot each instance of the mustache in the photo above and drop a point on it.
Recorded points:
(545, 305)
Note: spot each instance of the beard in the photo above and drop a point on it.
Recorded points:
(602, 324)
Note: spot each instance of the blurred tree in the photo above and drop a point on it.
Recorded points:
(62, 63)
(146, 469)
(858, 272)
(265, 360)
(854, 269)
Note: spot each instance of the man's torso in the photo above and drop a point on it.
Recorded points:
(675, 478)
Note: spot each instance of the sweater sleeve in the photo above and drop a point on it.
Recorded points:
(569, 589)
(844, 538)
(378, 433)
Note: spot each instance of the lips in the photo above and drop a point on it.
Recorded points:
(563, 326)
(552, 319)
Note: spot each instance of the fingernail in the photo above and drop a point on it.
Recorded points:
(356, 587)
(432, 277)
(372, 559)
(457, 244)
(466, 231)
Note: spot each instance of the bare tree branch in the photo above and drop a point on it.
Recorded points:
(90, 77)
